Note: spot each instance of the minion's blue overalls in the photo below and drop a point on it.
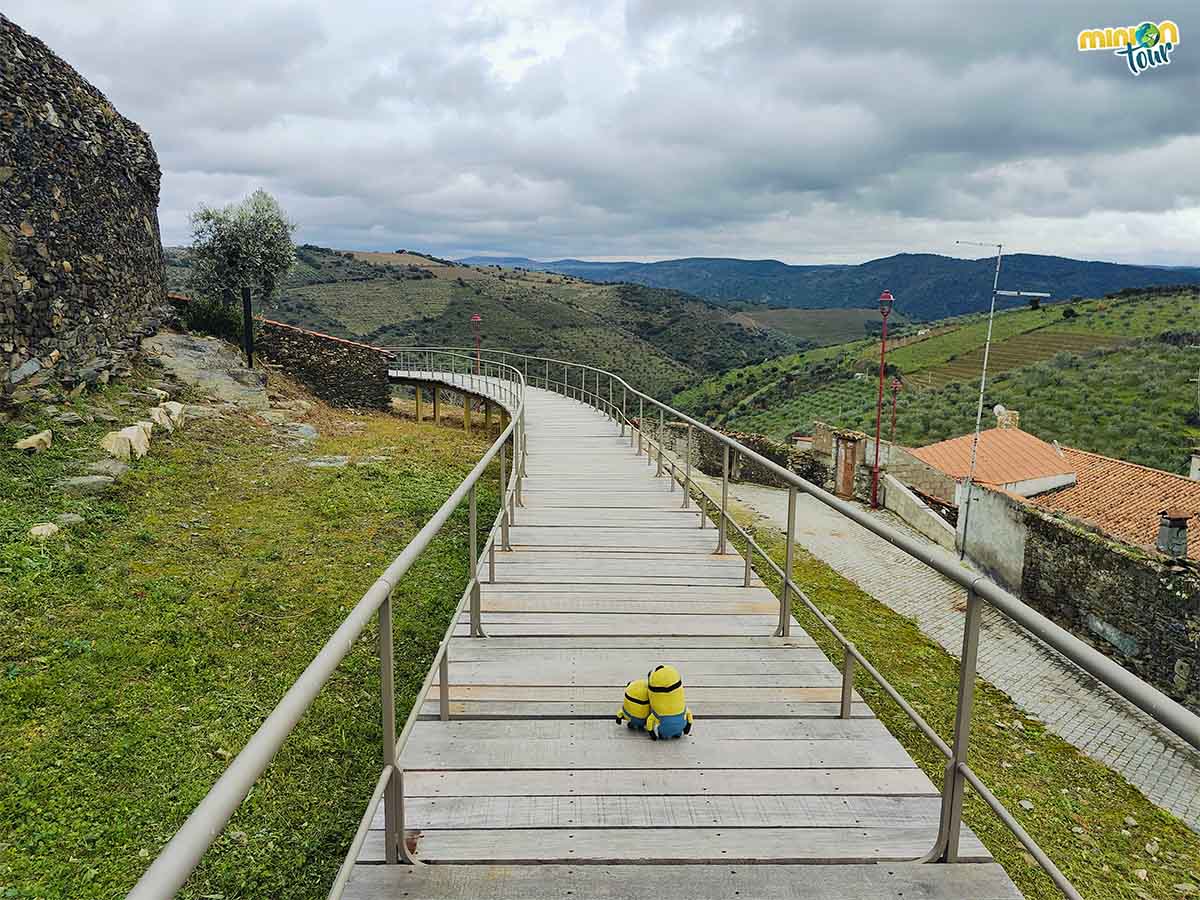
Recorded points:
(669, 713)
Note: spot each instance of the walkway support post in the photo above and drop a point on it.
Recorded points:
(393, 815)
(687, 477)
(467, 413)
(473, 526)
(437, 406)
(847, 682)
(662, 428)
(955, 782)
(785, 602)
(418, 390)
(642, 428)
(721, 548)
(444, 685)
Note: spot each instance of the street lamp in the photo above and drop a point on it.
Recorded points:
(886, 301)
(476, 321)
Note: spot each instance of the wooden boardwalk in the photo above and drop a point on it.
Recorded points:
(532, 790)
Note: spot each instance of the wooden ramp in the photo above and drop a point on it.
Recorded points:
(532, 789)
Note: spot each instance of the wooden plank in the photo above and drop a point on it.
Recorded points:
(708, 659)
(608, 732)
(603, 709)
(732, 846)
(584, 666)
(633, 624)
(712, 810)
(636, 751)
(696, 696)
(896, 881)
(615, 681)
(908, 782)
(623, 607)
(581, 642)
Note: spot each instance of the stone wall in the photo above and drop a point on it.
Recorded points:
(81, 266)
(341, 372)
(1139, 607)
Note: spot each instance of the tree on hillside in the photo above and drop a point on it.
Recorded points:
(247, 244)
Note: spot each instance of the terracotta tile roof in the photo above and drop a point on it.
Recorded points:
(1123, 498)
(1006, 456)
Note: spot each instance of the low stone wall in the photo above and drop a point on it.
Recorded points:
(341, 372)
(1139, 607)
(916, 512)
(1132, 603)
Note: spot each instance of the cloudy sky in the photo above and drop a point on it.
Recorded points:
(803, 131)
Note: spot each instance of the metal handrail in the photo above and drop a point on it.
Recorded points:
(958, 774)
(181, 855)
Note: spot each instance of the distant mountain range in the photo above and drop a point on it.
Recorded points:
(926, 285)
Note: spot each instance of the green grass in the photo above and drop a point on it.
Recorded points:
(787, 394)
(142, 649)
(1137, 403)
(1067, 789)
(823, 326)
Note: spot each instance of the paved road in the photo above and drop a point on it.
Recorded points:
(1071, 703)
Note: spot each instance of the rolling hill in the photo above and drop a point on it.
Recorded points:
(1113, 376)
(660, 339)
(927, 286)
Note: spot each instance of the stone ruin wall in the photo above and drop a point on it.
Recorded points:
(81, 264)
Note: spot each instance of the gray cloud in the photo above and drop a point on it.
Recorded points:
(658, 127)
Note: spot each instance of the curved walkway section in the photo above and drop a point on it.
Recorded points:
(531, 789)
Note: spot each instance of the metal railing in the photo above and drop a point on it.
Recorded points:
(181, 855)
(598, 387)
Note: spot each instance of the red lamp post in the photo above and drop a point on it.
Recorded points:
(885, 307)
(476, 322)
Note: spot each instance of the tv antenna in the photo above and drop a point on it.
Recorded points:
(987, 347)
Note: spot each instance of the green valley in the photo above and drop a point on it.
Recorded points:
(659, 339)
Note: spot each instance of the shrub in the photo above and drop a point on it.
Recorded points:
(204, 315)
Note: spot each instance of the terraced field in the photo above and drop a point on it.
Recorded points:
(1011, 353)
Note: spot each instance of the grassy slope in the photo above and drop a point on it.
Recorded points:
(790, 393)
(822, 326)
(659, 339)
(1024, 762)
(144, 648)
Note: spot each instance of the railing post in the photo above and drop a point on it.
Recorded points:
(954, 784)
(749, 564)
(641, 416)
(476, 615)
(789, 555)
(701, 505)
(687, 463)
(847, 682)
(524, 452)
(444, 686)
(721, 546)
(503, 499)
(393, 816)
(662, 428)
(672, 476)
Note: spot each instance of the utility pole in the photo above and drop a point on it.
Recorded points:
(987, 346)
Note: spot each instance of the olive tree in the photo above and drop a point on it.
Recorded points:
(247, 244)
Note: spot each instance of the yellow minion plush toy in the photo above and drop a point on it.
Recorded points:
(636, 705)
(669, 713)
